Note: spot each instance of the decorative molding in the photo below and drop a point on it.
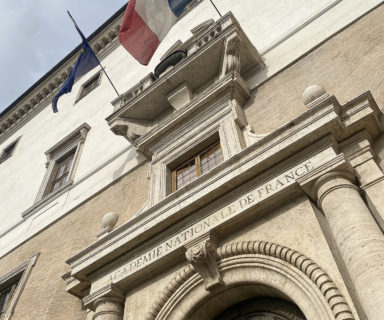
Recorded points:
(337, 166)
(329, 291)
(231, 58)
(25, 271)
(108, 292)
(250, 136)
(331, 176)
(73, 141)
(201, 254)
(372, 183)
(131, 129)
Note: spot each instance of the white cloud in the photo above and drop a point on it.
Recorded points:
(38, 34)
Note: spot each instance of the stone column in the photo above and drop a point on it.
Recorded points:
(357, 235)
(108, 308)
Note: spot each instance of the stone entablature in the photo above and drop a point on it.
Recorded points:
(102, 44)
(299, 143)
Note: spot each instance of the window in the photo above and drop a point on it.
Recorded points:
(89, 85)
(8, 151)
(62, 160)
(63, 167)
(6, 296)
(198, 165)
(12, 285)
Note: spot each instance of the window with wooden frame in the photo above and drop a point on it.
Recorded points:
(62, 170)
(196, 166)
(89, 85)
(8, 151)
(6, 296)
(62, 161)
(12, 285)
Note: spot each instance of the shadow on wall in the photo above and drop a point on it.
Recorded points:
(378, 146)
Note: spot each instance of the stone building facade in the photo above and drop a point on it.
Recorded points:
(244, 182)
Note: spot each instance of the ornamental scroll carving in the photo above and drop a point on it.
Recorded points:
(131, 129)
(231, 58)
(202, 256)
(233, 54)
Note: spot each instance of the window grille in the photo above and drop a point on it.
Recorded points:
(196, 166)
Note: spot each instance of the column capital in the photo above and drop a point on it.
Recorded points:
(335, 173)
(108, 308)
(330, 182)
(110, 292)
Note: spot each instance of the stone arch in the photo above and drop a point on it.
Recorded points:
(253, 267)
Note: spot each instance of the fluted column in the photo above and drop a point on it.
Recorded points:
(108, 308)
(357, 235)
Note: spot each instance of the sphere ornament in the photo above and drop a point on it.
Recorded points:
(109, 220)
(313, 93)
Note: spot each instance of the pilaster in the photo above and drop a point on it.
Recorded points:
(355, 231)
(358, 150)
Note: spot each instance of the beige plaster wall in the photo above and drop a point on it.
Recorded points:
(44, 296)
(347, 65)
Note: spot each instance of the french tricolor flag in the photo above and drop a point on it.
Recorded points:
(146, 23)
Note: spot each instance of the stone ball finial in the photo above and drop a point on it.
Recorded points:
(109, 220)
(313, 93)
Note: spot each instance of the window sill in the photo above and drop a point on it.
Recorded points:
(47, 199)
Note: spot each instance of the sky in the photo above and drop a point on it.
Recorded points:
(36, 34)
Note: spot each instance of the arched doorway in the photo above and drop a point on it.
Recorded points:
(253, 269)
(262, 309)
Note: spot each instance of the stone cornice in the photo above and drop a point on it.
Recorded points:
(102, 44)
(111, 291)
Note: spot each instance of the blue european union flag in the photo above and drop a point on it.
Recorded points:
(86, 62)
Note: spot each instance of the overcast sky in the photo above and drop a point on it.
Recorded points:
(37, 34)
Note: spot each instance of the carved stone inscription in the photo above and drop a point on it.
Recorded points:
(216, 218)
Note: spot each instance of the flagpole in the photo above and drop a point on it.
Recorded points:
(216, 9)
(102, 68)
